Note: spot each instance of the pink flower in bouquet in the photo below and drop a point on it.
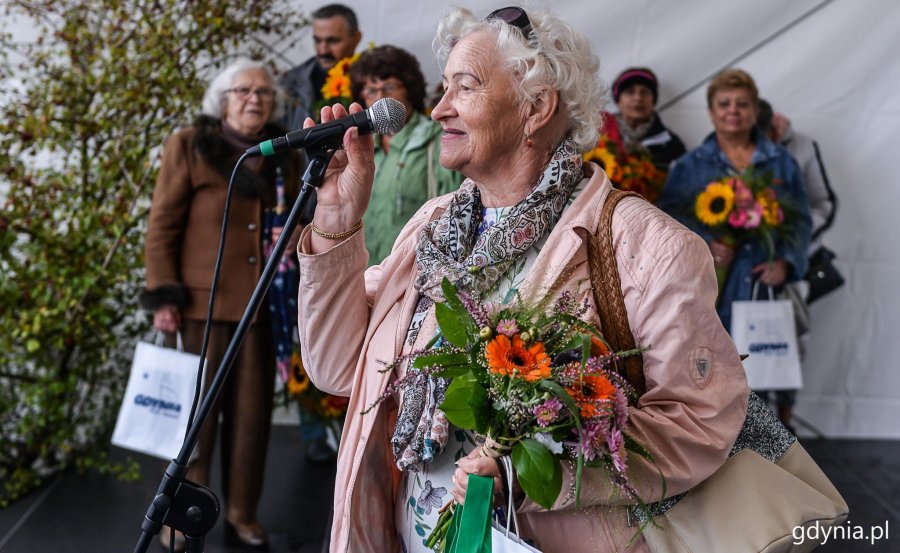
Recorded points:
(593, 439)
(754, 216)
(743, 196)
(616, 443)
(547, 412)
(738, 218)
(507, 327)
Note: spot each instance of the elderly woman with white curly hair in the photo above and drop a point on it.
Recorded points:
(239, 110)
(521, 100)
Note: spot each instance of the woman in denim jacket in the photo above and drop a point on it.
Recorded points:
(736, 145)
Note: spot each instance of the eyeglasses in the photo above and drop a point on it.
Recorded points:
(244, 92)
(386, 89)
(515, 16)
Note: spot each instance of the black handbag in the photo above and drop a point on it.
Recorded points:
(822, 275)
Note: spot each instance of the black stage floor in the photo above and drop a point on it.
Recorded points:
(98, 514)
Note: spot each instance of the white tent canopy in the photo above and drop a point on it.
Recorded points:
(829, 65)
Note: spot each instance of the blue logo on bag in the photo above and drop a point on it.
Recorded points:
(158, 406)
(166, 404)
(769, 348)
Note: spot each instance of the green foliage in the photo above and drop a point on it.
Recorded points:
(539, 472)
(466, 403)
(85, 107)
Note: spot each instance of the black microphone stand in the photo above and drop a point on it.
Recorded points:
(179, 503)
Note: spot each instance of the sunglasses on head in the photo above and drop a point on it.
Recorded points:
(515, 16)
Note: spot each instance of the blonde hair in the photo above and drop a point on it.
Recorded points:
(554, 54)
(730, 79)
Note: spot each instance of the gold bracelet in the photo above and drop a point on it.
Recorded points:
(337, 235)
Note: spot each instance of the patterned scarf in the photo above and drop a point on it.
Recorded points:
(450, 247)
(632, 136)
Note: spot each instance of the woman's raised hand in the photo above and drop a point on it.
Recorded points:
(344, 195)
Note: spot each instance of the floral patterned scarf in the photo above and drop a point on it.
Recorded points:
(451, 247)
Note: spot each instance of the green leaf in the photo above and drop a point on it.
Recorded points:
(32, 345)
(452, 326)
(441, 359)
(539, 472)
(564, 396)
(451, 297)
(454, 372)
(466, 404)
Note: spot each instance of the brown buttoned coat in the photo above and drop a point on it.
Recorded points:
(186, 219)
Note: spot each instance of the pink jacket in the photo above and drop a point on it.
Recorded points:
(353, 321)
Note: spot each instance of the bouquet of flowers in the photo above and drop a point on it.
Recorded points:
(632, 171)
(744, 207)
(310, 398)
(337, 85)
(539, 384)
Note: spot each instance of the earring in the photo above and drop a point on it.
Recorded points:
(529, 142)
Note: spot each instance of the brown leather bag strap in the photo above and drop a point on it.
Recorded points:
(607, 287)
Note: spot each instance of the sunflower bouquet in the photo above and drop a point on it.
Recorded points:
(298, 387)
(631, 171)
(743, 207)
(538, 384)
(337, 85)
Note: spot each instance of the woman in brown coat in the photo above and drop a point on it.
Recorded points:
(181, 246)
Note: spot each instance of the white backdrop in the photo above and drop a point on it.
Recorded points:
(834, 74)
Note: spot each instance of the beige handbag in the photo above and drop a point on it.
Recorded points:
(752, 503)
(767, 492)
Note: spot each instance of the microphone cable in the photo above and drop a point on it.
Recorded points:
(212, 294)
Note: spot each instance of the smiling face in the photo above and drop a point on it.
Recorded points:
(480, 111)
(248, 104)
(733, 112)
(333, 40)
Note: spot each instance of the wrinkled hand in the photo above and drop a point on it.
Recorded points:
(772, 273)
(167, 319)
(723, 254)
(475, 463)
(344, 195)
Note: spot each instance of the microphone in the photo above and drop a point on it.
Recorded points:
(386, 116)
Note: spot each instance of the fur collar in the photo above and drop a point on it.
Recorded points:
(212, 147)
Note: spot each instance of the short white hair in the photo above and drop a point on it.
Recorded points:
(554, 55)
(214, 97)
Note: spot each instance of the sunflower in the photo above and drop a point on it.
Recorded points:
(513, 359)
(589, 391)
(299, 381)
(714, 204)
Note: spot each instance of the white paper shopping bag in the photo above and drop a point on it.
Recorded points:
(765, 330)
(505, 537)
(153, 418)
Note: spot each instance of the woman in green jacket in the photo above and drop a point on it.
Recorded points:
(407, 165)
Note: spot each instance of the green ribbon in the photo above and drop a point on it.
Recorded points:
(470, 529)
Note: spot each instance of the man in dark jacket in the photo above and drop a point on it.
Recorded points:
(335, 35)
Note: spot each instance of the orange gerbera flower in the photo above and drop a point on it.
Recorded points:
(513, 359)
(598, 347)
(589, 391)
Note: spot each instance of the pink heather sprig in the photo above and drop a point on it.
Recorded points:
(547, 412)
(410, 375)
(475, 309)
(568, 304)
